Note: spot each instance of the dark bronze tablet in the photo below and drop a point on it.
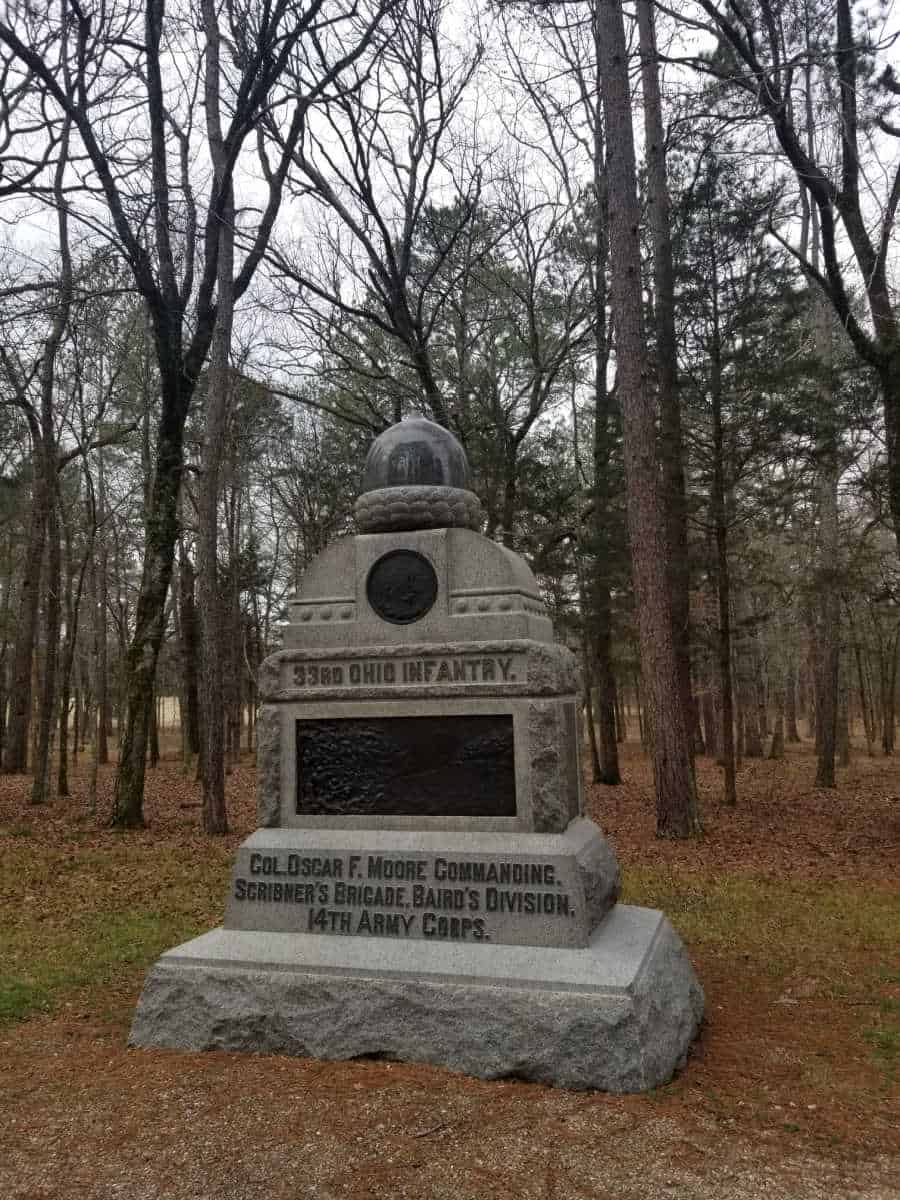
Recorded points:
(402, 586)
(407, 766)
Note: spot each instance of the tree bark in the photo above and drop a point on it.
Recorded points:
(190, 653)
(16, 750)
(102, 602)
(791, 733)
(889, 693)
(843, 715)
(609, 772)
(142, 654)
(712, 733)
(776, 749)
(670, 431)
(828, 642)
(719, 505)
(40, 791)
(211, 608)
(676, 798)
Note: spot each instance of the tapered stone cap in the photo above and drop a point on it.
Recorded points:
(416, 477)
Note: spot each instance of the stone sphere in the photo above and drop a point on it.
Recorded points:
(415, 453)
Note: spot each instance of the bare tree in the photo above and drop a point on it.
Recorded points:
(371, 168)
(133, 77)
(761, 49)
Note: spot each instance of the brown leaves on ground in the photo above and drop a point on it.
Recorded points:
(782, 1097)
(781, 825)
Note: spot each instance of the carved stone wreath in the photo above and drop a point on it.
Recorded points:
(388, 510)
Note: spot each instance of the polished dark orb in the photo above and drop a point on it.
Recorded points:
(415, 452)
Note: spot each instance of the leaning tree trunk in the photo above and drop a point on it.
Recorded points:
(676, 797)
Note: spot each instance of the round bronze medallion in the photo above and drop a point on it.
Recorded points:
(402, 586)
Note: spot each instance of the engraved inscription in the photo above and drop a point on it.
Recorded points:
(414, 766)
(375, 895)
(377, 672)
(402, 586)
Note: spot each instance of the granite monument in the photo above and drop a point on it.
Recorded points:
(424, 884)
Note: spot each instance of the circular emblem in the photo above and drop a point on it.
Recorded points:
(402, 586)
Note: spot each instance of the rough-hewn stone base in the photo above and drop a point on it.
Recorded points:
(618, 1016)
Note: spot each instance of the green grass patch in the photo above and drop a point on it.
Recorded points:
(821, 929)
(841, 936)
(87, 918)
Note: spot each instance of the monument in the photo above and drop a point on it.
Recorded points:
(423, 884)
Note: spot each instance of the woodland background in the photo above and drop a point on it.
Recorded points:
(639, 258)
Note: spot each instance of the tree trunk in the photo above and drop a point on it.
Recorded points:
(719, 505)
(889, 694)
(102, 601)
(749, 707)
(211, 609)
(642, 731)
(190, 653)
(589, 713)
(5, 625)
(671, 450)
(93, 713)
(828, 643)
(65, 680)
(865, 708)
(676, 798)
(711, 732)
(153, 743)
(776, 749)
(843, 716)
(48, 466)
(609, 772)
(143, 652)
(40, 791)
(791, 732)
(16, 750)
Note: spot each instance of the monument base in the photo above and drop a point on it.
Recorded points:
(618, 1015)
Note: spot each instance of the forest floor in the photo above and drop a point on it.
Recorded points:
(790, 909)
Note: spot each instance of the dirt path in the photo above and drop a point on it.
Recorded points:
(84, 1118)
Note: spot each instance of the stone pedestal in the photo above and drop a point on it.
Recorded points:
(424, 884)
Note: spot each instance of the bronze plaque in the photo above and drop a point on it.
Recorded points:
(402, 586)
(457, 766)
